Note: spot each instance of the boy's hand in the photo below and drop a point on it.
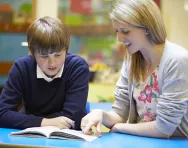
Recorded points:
(59, 122)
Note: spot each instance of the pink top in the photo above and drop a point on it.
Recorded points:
(146, 95)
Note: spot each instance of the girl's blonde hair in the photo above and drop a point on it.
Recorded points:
(144, 14)
(47, 35)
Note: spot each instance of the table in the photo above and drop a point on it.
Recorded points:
(112, 140)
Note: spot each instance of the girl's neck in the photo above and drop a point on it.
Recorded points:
(152, 54)
(152, 58)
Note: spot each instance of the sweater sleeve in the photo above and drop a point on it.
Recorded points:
(173, 101)
(121, 104)
(11, 98)
(76, 94)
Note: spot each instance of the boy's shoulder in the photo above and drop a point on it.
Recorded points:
(73, 59)
(25, 61)
(28, 58)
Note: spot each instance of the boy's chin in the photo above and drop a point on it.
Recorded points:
(50, 76)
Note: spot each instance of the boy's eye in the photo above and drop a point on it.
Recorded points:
(57, 55)
(43, 56)
(116, 30)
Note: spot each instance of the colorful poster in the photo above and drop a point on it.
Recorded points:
(157, 2)
(80, 6)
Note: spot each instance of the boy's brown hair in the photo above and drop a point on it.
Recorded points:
(47, 35)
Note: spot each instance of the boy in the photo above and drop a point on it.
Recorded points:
(51, 83)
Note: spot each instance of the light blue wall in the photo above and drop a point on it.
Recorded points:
(10, 46)
(11, 49)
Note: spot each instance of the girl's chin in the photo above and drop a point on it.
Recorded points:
(131, 52)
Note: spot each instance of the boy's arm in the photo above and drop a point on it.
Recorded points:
(76, 95)
(10, 100)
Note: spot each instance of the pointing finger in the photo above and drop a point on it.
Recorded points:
(88, 129)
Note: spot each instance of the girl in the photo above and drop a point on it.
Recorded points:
(151, 98)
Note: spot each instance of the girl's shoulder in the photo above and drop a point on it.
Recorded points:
(174, 55)
(173, 51)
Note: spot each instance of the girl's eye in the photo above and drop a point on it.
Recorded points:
(122, 31)
(125, 32)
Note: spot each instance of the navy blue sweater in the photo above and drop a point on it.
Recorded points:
(65, 96)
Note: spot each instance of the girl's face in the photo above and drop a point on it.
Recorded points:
(134, 38)
(51, 63)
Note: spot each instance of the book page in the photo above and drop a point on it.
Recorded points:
(72, 134)
(36, 131)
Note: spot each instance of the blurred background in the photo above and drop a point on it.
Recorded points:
(92, 35)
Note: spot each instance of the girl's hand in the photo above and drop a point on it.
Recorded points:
(94, 118)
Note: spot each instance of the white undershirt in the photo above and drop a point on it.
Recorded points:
(41, 75)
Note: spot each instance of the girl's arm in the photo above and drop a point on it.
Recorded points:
(97, 118)
(146, 129)
(120, 108)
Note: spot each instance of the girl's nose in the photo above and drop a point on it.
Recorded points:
(120, 37)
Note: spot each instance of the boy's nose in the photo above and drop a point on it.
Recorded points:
(51, 62)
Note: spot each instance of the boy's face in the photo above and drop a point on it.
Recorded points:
(51, 63)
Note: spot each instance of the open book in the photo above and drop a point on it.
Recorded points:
(54, 132)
